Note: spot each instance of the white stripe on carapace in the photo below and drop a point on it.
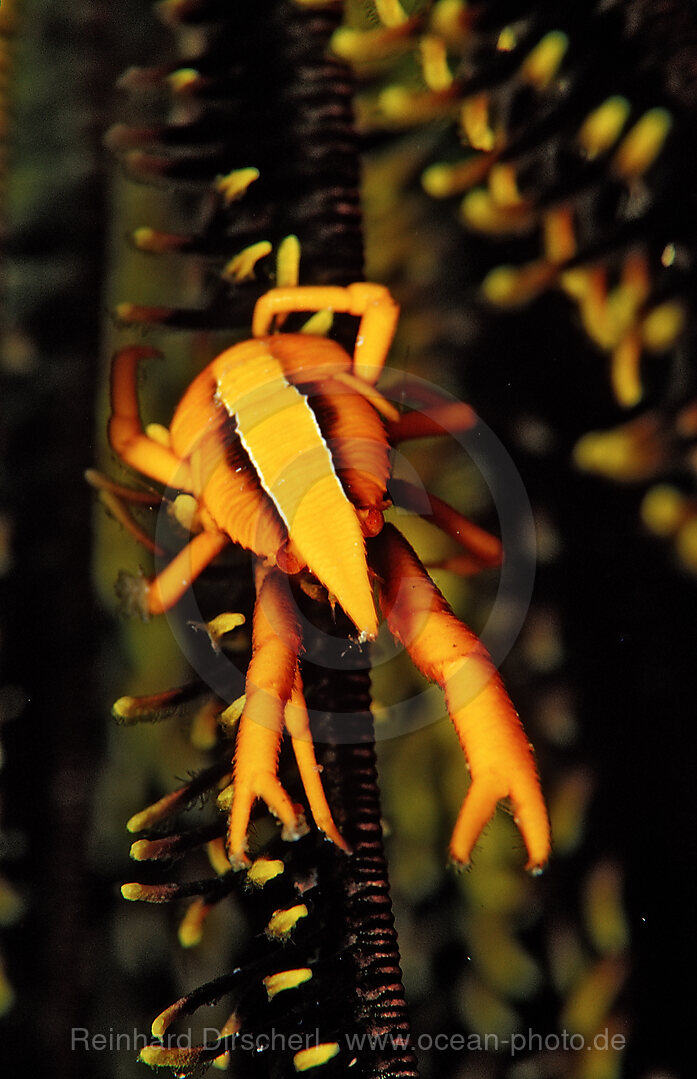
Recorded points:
(268, 402)
(284, 442)
(260, 393)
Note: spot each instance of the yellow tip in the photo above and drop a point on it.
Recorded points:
(224, 623)
(234, 185)
(474, 119)
(602, 127)
(288, 262)
(668, 255)
(503, 186)
(437, 181)
(508, 39)
(391, 13)
(319, 324)
(282, 922)
(567, 810)
(632, 452)
(434, 63)
(136, 823)
(625, 374)
(217, 856)
(604, 915)
(243, 266)
(139, 850)
(263, 870)
(132, 891)
(509, 286)
(181, 1061)
(229, 718)
(152, 1055)
(157, 432)
(225, 797)
(662, 326)
(286, 979)
(640, 148)
(449, 18)
(359, 46)
(183, 79)
(124, 708)
(663, 510)
(190, 930)
(315, 1056)
(479, 211)
(156, 243)
(559, 236)
(542, 64)
(161, 1022)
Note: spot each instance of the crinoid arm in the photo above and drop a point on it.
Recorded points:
(498, 753)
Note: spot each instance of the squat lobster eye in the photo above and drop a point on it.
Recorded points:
(280, 445)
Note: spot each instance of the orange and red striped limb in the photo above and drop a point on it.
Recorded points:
(119, 511)
(100, 482)
(486, 550)
(374, 305)
(270, 681)
(125, 430)
(170, 585)
(451, 418)
(298, 726)
(498, 753)
(367, 390)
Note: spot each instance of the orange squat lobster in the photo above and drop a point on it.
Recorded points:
(283, 442)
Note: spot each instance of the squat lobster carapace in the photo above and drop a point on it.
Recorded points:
(282, 442)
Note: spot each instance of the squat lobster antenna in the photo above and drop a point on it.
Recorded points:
(374, 305)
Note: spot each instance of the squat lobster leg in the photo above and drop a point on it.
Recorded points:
(298, 727)
(117, 498)
(274, 695)
(373, 303)
(498, 753)
(126, 433)
(170, 585)
(281, 445)
(454, 416)
(485, 550)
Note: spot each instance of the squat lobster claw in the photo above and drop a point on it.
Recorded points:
(282, 443)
